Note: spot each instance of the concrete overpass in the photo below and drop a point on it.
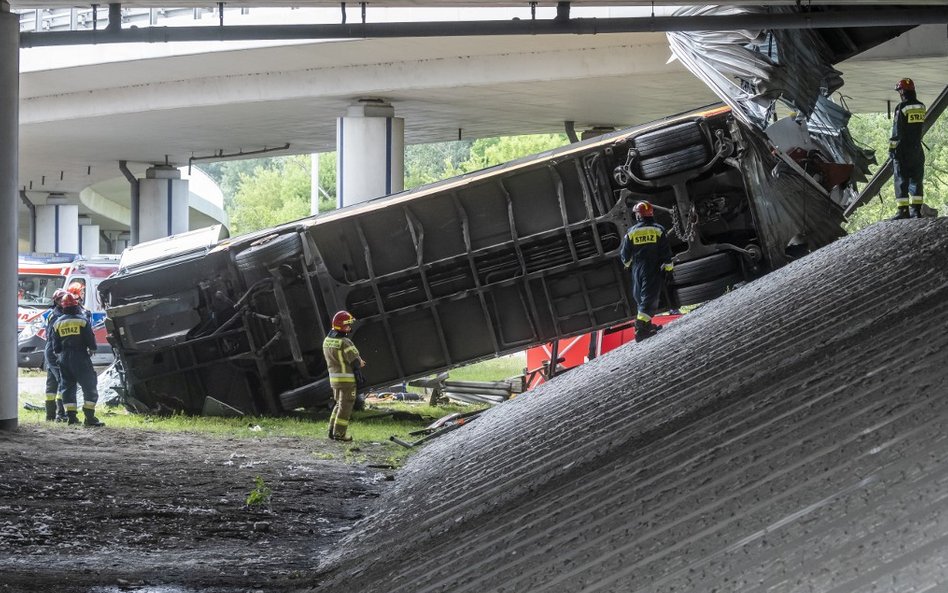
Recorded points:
(77, 123)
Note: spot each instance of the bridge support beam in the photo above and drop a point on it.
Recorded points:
(9, 199)
(370, 152)
(163, 203)
(89, 239)
(57, 228)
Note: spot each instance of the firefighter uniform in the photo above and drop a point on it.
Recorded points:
(342, 361)
(54, 397)
(645, 250)
(908, 158)
(72, 340)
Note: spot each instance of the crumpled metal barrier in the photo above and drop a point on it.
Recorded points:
(752, 70)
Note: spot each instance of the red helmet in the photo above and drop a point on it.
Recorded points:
(643, 210)
(76, 289)
(68, 300)
(906, 84)
(58, 295)
(342, 321)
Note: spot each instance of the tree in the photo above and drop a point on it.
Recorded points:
(261, 193)
(427, 163)
(227, 174)
(488, 152)
(271, 196)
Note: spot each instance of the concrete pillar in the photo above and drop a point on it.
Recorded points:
(9, 149)
(163, 203)
(118, 241)
(89, 239)
(370, 152)
(57, 228)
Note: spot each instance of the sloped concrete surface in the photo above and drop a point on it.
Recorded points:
(791, 436)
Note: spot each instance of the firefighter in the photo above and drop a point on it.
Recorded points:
(905, 150)
(78, 290)
(646, 251)
(72, 341)
(54, 396)
(345, 367)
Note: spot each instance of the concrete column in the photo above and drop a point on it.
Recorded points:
(89, 239)
(118, 241)
(163, 204)
(57, 229)
(9, 149)
(370, 152)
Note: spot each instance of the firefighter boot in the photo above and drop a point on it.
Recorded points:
(71, 418)
(901, 212)
(91, 420)
(60, 411)
(642, 330)
(50, 410)
(915, 211)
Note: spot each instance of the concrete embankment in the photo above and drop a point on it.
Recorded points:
(789, 436)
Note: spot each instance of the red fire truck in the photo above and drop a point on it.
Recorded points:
(553, 358)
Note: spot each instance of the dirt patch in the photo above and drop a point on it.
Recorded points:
(131, 510)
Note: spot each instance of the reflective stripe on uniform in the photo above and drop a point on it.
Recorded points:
(342, 423)
(916, 200)
(643, 316)
(901, 202)
(88, 405)
(69, 327)
(644, 235)
(914, 113)
(70, 407)
(342, 365)
(50, 397)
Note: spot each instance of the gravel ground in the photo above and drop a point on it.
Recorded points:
(788, 437)
(132, 510)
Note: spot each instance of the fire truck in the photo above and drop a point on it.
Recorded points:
(38, 277)
(553, 358)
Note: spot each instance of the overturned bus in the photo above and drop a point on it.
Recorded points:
(469, 268)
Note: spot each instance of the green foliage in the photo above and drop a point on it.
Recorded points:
(270, 196)
(495, 369)
(279, 187)
(260, 495)
(260, 193)
(488, 152)
(873, 130)
(327, 181)
(427, 163)
(227, 174)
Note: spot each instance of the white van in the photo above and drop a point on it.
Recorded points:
(38, 277)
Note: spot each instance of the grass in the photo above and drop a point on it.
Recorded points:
(495, 369)
(367, 426)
